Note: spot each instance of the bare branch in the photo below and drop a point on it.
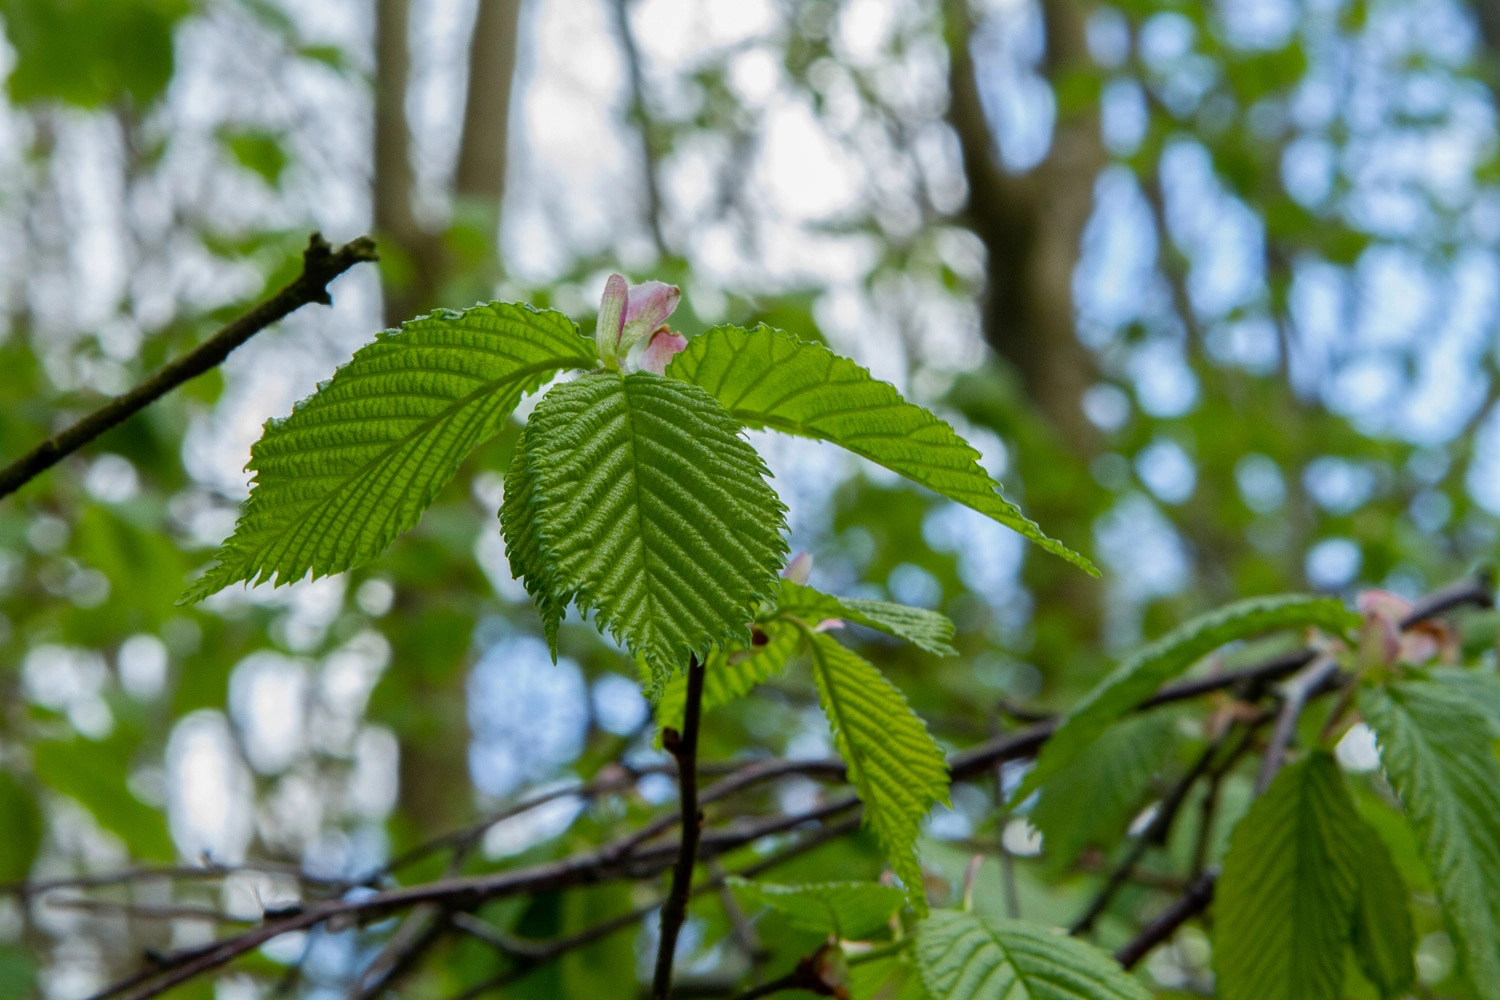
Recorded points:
(685, 748)
(320, 265)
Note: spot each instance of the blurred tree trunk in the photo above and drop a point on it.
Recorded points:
(1031, 225)
(492, 62)
(418, 265)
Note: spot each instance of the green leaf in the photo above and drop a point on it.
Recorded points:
(17, 974)
(95, 774)
(1479, 687)
(91, 52)
(851, 911)
(1091, 801)
(894, 765)
(523, 545)
(1138, 677)
(1437, 750)
(652, 508)
(358, 461)
(769, 378)
(1284, 907)
(1383, 935)
(20, 829)
(968, 957)
(730, 675)
(259, 151)
(922, 628)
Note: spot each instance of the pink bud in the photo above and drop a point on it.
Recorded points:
(799, 570)
(663, 346)
(629, 314)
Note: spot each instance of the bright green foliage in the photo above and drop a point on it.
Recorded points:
(851, 911)
(922, 628)
(523, 546)
(768, 378)
(1383, 935)
(1284, 907)
(651, 507)
(1437, 750)
(968, 957)
(20, 829)
(894, 765)
(1138, 677)
(1089, 802)
(731, 675)
(357, 462)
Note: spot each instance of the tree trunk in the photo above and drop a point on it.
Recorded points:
(1031, 225)
(492, 61)
(418, 263)
(417, 270)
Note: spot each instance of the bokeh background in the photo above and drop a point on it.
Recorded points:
(1212, 286)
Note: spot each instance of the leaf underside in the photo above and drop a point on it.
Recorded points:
(1138, 677)
(1383, 935)
(1284, 906)
(848, 910)
(732, 674)
(1437, 750)
(1091, 801)
(922, 628)
(894, 765)
(964, 956)
(649, 507)
(769, 378)
(357, 462)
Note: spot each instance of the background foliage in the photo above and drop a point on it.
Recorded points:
(1211, 287)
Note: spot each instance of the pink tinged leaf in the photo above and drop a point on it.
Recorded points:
(799, 570)
(663, 346)
(611, 322)
(647, 307)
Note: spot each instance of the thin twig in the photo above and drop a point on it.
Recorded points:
(320, 265)
(1295, 694)
(1192, 902)
(684, 747)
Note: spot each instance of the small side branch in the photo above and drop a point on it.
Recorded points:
(321, 263)
(684, 747)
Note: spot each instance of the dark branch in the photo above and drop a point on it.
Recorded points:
(320, 265)
(1191, 903)
(685, 748)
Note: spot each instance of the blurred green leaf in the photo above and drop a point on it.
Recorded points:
(21, 831)
(91, 52)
